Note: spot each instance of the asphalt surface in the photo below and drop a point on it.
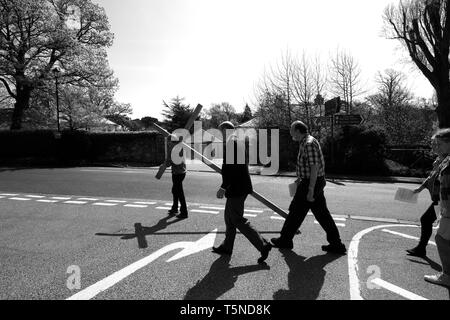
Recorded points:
(112, 226)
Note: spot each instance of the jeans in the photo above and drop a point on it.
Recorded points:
(178, 193)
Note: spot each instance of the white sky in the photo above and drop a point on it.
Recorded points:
(213, 51)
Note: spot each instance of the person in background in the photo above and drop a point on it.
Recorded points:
(178, 175)
(429, 217)
(443, 233)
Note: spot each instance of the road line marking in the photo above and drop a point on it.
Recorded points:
(61, 198)
(400, 291)
(339, 219)
(135, 206)
(116, 201)
(384, 220)
(87, 199)
(352, 255)
(407, 236)
(20, 199)
(163, 208)
(1, 197)
(254, 211)
(250, 215)
(9, 194)
(104, 204)
(35, 197)
(337, 224)
(47, 201)
(146, 203)
(168, 204)
(277, 218)
(75, 202)
(212, 208)
(205, 211)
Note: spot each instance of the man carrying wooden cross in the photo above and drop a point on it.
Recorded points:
(236, 186)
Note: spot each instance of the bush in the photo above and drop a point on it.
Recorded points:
(24, 144)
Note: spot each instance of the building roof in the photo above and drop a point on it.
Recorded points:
(253, 123)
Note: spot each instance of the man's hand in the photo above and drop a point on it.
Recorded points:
(220, 193)
(418, 190)
(310, 196)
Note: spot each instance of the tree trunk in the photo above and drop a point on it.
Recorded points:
(443, 108)
(22, 103)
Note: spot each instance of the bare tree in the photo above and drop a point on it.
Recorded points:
(423, 27)
(303, 85)
(345, 78)
(320, 81)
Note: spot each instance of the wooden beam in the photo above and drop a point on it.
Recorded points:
(216, 168)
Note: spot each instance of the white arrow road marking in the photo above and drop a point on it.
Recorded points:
(188, 248)
(352, 255)
(407, 236)
(400, 291)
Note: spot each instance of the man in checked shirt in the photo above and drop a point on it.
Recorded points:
(309, 194)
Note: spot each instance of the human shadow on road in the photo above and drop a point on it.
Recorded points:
(140, 232)
(220, 279)
(306, 276)
(434, 265)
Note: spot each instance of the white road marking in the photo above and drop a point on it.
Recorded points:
(352, 255)
(75, 202)
(168, 204)
(32, 196)
(163, 208)
(116, 201)
(337, 224)
(1, 197)
(339, 219)
(87, 199)
(407, 236)
(277, 218)
(9, 194)
(253, 211)
(47, 201)
(250, 215)
(61, 198)
(104, 204)
(135, 206)
(205, 211)
(189, 248)
(146, 203)
(20, 199)
(400, 291)
(212, 208)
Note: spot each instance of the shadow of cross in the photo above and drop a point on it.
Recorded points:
(140, 232)
(188, 126)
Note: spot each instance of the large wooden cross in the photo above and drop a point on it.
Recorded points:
(216, 168)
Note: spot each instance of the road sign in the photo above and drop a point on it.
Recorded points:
(322, 121)
(348, 119)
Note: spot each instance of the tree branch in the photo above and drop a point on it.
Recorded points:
(5, 83)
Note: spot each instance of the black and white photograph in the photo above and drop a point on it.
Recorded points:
(224, 159)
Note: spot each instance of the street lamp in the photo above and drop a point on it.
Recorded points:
(56, 71)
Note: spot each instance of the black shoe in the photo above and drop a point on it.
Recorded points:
(265, 253)
(172, 212)
(182, 216)
(417, 252)
(221, 250)
(277, 243)
(335, 248)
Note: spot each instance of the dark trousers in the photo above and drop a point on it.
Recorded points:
(299, 209)
(178, 193)
(426, 221)
(234, 219)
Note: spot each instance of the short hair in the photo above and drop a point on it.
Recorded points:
(300, 126)
(226, 125)
(443, 134)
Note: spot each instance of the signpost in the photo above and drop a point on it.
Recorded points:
(348, 119)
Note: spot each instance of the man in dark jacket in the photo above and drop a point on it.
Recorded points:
(236, 186)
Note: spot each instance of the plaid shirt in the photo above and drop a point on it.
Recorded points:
(310, 153)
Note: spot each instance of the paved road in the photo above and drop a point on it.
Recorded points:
(112, 227)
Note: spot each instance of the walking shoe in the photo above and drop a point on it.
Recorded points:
(335, 248)
(221, 250)
(265, 253)
(172, 212)
(278, 243)
(439, 279)
(182, 216)
(417, 252)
